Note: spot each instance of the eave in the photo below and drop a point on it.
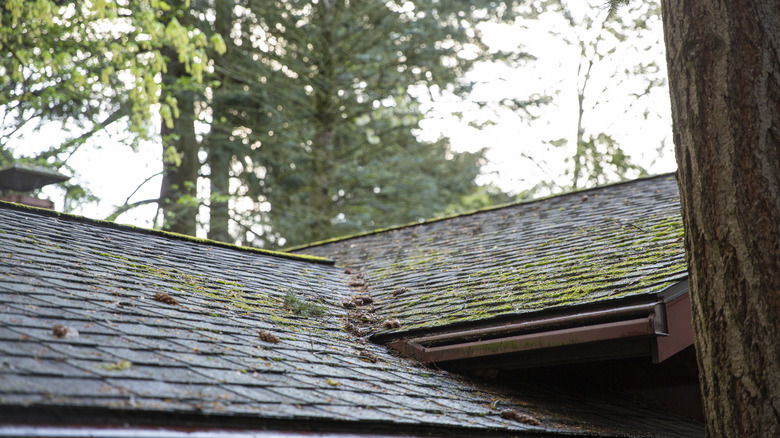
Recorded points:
(657, 329)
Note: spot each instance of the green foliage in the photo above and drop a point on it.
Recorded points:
(303, 308)
(84, 66)
(333, 149)
(601, 157)
(305, 111)
(483, 197)
(614, 5)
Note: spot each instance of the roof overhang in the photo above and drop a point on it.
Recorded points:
(657, 329)
(139, 432)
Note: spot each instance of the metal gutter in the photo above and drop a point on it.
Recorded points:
(659, 329)
(541, 324)
(633, 328)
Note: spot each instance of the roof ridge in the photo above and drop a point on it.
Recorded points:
(473, 212)
(161, 233)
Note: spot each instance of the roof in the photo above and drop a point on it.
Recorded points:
(621, 243)
(105, 324)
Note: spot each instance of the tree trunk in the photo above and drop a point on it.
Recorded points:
(178, 192)
(179, 188)
(325, 121)
(219, 207)
(724, 74)
(218, 141)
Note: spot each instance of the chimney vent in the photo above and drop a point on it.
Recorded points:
(18, 180)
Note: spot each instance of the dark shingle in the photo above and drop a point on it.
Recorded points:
(625, 241)
(202, 356)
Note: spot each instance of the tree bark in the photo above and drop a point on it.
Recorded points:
(179, 188)
(219, 206)
(178, 192)
(324, 141)
(217, 143)
(724, 73)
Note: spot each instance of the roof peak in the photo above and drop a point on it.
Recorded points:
(482, 210)
(161, 233)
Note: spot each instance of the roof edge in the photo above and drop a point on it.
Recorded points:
(513, 318)
(103, 419)
(660, 317)
(470, 213)
(161, 233)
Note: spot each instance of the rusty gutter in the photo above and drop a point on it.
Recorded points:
(641, 323)
(634, 328)
(545, 324)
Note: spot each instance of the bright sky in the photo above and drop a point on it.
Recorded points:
(646, 139)
(113, 172)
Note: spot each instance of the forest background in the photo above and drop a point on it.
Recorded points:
(277, 123)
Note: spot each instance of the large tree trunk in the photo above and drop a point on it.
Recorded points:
(724, 73)
(218, 141)
(324, 141)
(179, 188)
(219, 206)
(178, 192)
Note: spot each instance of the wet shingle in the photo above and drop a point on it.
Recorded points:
(202, 357)
(540, 255)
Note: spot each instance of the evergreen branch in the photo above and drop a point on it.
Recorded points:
(614, 5)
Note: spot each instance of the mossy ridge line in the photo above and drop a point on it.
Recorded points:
(473, 212)
(162, 233)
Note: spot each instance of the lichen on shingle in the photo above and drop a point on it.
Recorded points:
(626, 240)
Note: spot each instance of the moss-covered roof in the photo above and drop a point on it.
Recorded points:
(592, 246)
(117, 226)
(109, 324)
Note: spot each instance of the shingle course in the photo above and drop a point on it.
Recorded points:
(626, 240)
(203, 355)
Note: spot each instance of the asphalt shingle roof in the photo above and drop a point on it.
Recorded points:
(612, 242)
(104, 323)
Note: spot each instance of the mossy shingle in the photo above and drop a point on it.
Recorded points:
(624, 240)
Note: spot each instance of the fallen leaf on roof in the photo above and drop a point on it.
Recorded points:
(362, 316)
(362, 300)
(332, 382)
(400, 291)
(59, 330)
(367, 357)
(520, 417)
(268, 337)
(62, 331)
(391, 323)
(350, 328)
(117, 366)
(165, 298)
(357, 283)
